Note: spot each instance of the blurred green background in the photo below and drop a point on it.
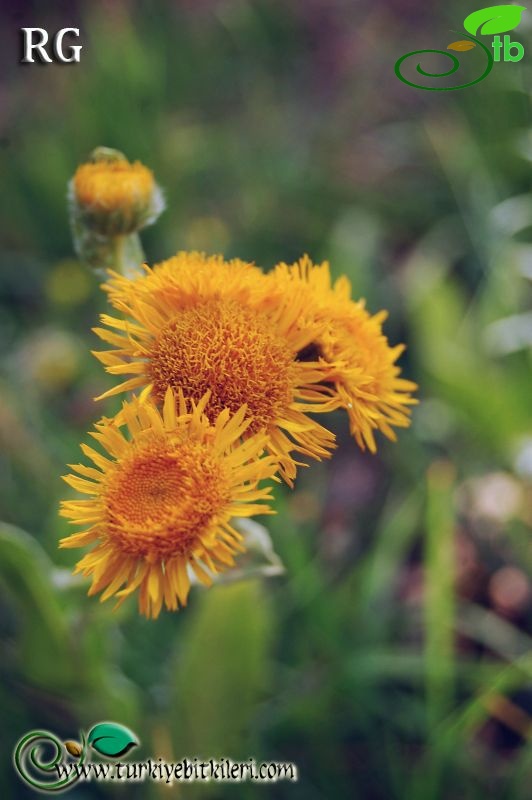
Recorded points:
(392, 661)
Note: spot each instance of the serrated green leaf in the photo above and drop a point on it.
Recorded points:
(111, 739)
(495, 19)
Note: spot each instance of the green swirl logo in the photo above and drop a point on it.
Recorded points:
(39, 755)
(39, 770)
(486, 21)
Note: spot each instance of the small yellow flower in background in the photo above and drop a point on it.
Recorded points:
(162, 499)
(197, 324)
(113, 196)
(367, 381)
(68, 284)
(50, 359)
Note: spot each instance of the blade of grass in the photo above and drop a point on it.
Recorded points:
(439, 611)
(439, 594)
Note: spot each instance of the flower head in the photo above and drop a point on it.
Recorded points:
(366, 379)
(162, 499)
(198, 324)
(113, 196)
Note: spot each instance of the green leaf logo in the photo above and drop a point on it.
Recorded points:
(111, 739)
(495, 19)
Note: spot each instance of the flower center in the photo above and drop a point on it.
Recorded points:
(159, 501)
(231, 350)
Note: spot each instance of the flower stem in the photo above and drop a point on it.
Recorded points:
(127, 254)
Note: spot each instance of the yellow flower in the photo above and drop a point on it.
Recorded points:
(198, 323)
(113, 196)
(162, 498)
(366, 378)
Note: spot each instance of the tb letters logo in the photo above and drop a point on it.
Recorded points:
(486, 22)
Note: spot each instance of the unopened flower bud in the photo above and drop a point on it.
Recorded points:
(110, 200)
(114, 197)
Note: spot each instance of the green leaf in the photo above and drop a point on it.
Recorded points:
(495, 19)
(439, 591)
(25, 572)
(222, 671)
(111, 739)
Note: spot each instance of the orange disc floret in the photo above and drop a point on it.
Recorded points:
(162, 498)
(227, 348)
